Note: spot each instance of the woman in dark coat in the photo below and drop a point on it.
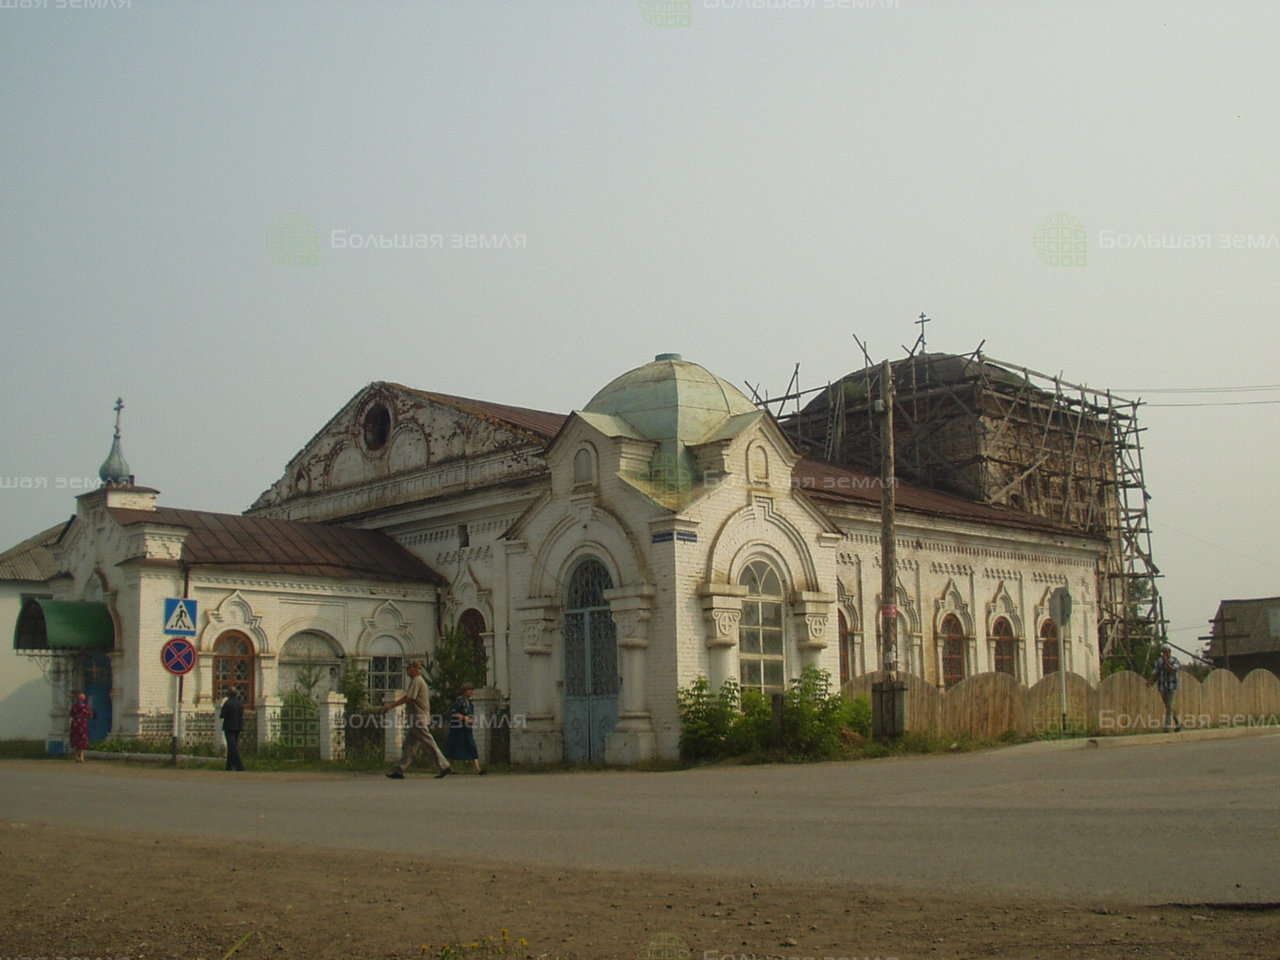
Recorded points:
(461, 744)
(80, 714)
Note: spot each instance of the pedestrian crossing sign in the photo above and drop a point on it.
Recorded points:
(179, 617)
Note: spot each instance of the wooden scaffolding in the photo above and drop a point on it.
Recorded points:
(1003, 434)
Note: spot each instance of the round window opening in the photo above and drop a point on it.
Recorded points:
(377, 427)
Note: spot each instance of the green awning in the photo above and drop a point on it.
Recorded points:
(64, 625)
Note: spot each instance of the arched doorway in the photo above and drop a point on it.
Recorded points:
(591, 679)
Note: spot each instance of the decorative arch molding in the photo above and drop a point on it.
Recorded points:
(849, 606)
(408, 447)
(907, 609)
(387, 620)
(759, 524)
(1040, 611)
(1002, 605)
(467, 593)
(952, 602)
(330, 628)
(598, 532)
(235, 612)
(910, 641)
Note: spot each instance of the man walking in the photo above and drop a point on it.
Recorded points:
(417, 703)
(1165, 676)
(232, 714)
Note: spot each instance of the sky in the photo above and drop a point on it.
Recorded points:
(235, 216)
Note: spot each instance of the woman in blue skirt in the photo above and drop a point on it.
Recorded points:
(461, 744)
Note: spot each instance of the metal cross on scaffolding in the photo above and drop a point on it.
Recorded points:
(118, 407)
(922, 321)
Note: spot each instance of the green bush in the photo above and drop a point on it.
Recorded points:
(454, 662)
(858, 718)
(706, 719)
(752, 729)
(736, 723)
(355, 687)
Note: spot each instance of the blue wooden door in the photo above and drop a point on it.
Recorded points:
(591, 679)
(97, 688)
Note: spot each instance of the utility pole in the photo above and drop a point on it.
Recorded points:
(889, 696)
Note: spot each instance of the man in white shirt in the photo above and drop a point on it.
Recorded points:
(417, 703)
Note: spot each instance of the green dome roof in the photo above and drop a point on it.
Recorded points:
(671, 399)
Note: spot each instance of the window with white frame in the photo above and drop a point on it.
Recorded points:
(386, 668)
(761, 663)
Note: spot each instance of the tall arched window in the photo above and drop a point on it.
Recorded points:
(953, 643)
(472, 624)
(1050, 655)
(846, 673)
(233, 666)
(761, 663)
(1006, 647)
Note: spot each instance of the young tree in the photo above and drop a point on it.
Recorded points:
(455, 661)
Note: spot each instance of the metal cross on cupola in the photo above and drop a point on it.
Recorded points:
(114, 469)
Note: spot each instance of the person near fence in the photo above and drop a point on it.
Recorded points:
(461, 744)
(1165, 676)
(81, 713)
(417, 704)
(232, 714)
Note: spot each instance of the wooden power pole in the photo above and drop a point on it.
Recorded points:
(889, 696)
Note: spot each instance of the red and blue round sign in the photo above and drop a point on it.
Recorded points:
(178, 656)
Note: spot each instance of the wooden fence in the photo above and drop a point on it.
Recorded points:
(987, 705)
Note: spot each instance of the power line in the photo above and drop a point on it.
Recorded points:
(1220, 403)
(1231, 389)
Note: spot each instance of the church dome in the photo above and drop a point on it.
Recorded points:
(671, 399)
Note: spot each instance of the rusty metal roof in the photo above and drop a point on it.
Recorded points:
(826, 481)
(32, 560)
(539, 422)
(263, 545)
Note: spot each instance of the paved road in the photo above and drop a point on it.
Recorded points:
(1184, 822)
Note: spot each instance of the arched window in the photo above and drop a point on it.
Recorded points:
(386, 668)
(846, 673)
(309, 663)
(953, 643)
(1050, 656)
(472, 624)
(584, 469)
(1006, 647)
(761, 663)
(233, 666)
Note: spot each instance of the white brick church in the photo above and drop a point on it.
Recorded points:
(603, 559)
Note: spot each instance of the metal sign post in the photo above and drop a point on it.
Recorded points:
(178, 657)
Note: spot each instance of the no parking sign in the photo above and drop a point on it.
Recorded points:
(178, 656)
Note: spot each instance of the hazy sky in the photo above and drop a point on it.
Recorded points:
(747, 186)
